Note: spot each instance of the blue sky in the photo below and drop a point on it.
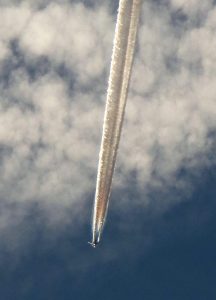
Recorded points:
(159, 238)
(180, 263)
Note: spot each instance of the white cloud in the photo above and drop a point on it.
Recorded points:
(73, 35)
(193, 7)
(51, 120)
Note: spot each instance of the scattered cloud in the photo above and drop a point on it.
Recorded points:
(54, 64)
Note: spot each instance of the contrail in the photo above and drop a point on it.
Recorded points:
(120, 71)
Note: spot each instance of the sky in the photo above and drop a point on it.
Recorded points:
(159, 238)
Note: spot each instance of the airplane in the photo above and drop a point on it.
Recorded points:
(96, 240)
(93, 244)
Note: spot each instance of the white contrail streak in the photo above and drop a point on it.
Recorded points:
(120, 71)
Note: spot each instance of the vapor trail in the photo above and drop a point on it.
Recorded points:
(120, 71)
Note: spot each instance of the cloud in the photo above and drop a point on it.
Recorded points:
(54, 64)
(194, 7)
(48, 30)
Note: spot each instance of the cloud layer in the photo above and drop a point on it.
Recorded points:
(54, 64)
